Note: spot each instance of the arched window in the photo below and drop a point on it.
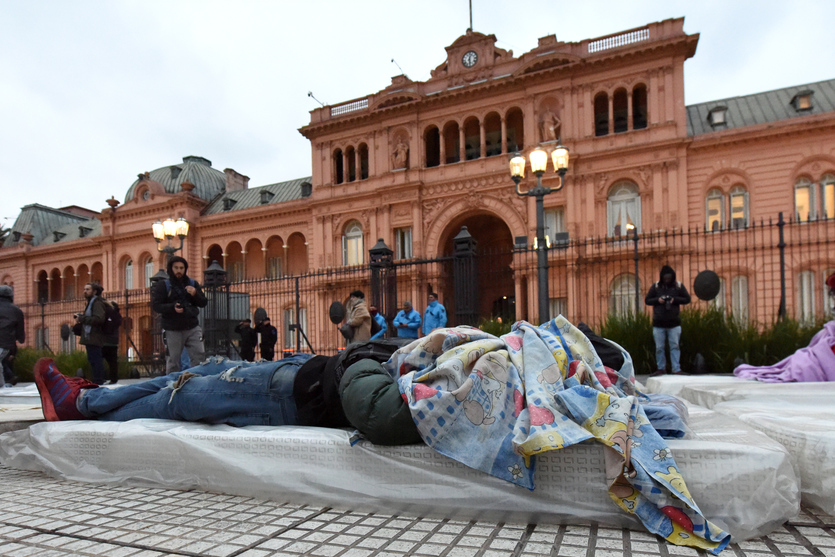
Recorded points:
(828, 196)
(129, 275)
(69, 283)
(601, 114)
(715, 206)
(719, 301)
(739, 298)
(362, 150)
(337, 167)
(620, 108)
(43, 287)
(622, 295)
(351, 159)
(739, 207)
(149, 271)
(352, 245)
(804, 200)
(515, 130)
(432, 143)
(806, 297)
(623, 209)
(639, 107)
(452, 143)
(297, 262)
(472, 138)
(493, 134)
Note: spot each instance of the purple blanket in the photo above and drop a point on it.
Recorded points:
(816, 362)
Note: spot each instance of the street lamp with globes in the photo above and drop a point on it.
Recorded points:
(539, 161)
(167, 230)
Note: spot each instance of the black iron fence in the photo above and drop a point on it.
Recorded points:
(768, 270)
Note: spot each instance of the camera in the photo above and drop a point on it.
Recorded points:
(668, 301)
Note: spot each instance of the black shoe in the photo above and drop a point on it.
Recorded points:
(13, 380)
(112, 381)
(658, 373)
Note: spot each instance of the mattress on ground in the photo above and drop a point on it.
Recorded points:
(742, 480)
(672, 384)
(797, 415)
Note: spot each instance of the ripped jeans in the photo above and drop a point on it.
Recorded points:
(219, 391)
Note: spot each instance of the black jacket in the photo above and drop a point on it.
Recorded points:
(666, 315)
(166, 294)
(11, 325)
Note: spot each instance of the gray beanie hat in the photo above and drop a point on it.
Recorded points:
(6, 291)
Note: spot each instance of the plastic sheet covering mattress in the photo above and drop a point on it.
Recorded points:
(742, 480)
(800, 416)
(672, 384)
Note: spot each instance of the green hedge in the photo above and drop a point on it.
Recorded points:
(68, 363)
(720, 339)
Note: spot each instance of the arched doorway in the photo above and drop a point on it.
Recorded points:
(494, 255)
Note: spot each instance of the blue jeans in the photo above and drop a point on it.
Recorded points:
(671, 335)
(216, 392)
(96, 359)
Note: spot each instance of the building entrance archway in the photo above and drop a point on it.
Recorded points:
(494, 256)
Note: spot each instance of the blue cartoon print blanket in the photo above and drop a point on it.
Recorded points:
(494, 403)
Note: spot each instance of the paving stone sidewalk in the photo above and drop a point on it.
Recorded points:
(42, 516)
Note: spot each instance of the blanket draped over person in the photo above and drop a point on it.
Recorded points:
(494, 403)
(815, 362)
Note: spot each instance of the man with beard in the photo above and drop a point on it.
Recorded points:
(90, 322)
(178, 300)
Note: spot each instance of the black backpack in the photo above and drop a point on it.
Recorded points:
(112, 319)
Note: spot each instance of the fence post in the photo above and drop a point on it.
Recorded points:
(637, 284)
(383, 280)
(781, 314)
(217, 311)
(298, 315)
(465, 278)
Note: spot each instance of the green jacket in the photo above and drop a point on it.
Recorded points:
(372, 403)
(95, 320)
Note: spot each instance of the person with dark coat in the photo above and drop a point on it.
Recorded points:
(269, 337)
(178, 300)
(110, 348)
(666, 298)
(92, 336)
(249, 338)
(12, 331)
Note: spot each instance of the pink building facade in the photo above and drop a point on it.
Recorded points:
(414, 163)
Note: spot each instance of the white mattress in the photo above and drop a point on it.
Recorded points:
(741, 479)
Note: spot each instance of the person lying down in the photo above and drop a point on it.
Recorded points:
(492, 403)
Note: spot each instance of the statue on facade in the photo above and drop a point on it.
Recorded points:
(400, 155)
(549, 126)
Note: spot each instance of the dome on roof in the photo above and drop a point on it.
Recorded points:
(208, 182)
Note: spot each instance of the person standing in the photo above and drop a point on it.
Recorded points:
(434, 317)
(12, 331)
(249, 338)
(110, 333)
(178, 300)
(269, 337)
(91, 321)
(382, 327)
(357, 317)
(407, 321)
(666, 298)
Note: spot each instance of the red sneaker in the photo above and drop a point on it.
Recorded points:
(58, 392)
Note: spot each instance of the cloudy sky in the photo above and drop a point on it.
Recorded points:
(93, 92)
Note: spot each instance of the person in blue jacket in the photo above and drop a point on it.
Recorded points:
(435, 315)
(407, 321)
(380, 320)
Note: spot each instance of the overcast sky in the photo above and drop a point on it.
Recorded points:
(93, 92)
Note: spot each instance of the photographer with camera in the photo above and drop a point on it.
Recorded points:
(178, 299)
(666, 296)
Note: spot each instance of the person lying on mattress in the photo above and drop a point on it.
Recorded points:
(347, 390)
(815, 362)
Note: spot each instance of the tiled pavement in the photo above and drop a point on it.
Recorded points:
(46, 517)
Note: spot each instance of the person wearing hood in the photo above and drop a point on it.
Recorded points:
(357, 317)
(11, 332)
(178, 299)
(666, 298)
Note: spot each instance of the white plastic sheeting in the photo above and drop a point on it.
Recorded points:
(800, 416)
(742, 480)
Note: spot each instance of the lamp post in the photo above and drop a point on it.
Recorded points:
(166, 230)
(539, 161)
